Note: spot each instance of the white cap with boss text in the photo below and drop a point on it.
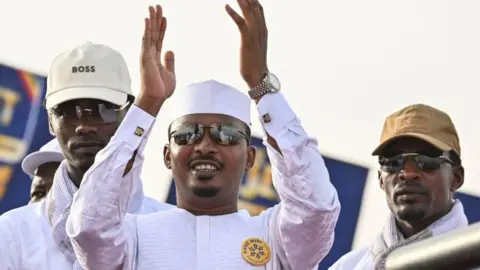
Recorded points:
(90, 71)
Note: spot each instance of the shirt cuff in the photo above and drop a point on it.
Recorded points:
(275, 113)
(143, 143)
(135, 127)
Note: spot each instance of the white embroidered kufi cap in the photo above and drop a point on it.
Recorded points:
(210, 97)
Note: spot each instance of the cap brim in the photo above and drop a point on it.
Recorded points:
(430, 140)
(31, 162)
(106, 94)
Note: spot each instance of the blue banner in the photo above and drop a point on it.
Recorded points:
(470, 204)
(23, 129)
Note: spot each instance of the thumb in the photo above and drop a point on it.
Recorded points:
(169, 60)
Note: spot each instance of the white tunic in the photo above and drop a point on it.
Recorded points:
(299, 230)
(26, 240)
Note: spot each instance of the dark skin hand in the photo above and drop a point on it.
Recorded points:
(253, 49)
(157, 80)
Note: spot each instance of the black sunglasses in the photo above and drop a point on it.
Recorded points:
(424, 163)
(101, 113)
(192, 133)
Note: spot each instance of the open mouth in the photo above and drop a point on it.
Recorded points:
(205, 166)
(205, 170)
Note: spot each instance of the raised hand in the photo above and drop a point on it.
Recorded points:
(254, 37)
(157, 80)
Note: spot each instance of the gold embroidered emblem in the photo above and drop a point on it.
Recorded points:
(139, 131)
(256, 251)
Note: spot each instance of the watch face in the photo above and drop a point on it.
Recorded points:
(274, 81)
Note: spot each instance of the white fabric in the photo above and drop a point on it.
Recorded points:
(89, 70)
(391, 238)
(59, 200)
(30, 242)
(50, 152)
(210, 97)
(27, 237)
(299, 230)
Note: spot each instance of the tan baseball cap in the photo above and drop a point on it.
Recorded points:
(423, 122)
(93, 71)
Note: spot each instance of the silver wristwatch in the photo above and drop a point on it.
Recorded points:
(270, 84)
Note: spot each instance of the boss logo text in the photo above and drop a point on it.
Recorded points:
(83, 69)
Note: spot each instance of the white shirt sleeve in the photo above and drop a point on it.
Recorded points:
(9, 247)
(304, 223)
(101, 233)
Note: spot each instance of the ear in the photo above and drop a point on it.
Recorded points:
(50, 126)
(251, 154)
(380, 180)
(458, 178)
(167, 159)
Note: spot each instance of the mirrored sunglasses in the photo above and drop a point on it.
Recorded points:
(192, 133)
(424, 163)
(102, 113)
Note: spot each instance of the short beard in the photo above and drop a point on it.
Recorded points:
(411, 214)
(205, 192)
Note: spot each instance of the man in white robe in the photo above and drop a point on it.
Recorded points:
(88, 94)
(208, 152)
(41, 166)
(420, 170)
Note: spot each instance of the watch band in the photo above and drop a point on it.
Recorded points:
(260, 90)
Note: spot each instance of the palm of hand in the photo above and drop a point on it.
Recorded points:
(254, 39)
(158, 81)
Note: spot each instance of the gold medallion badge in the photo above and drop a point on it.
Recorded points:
(255, 251)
